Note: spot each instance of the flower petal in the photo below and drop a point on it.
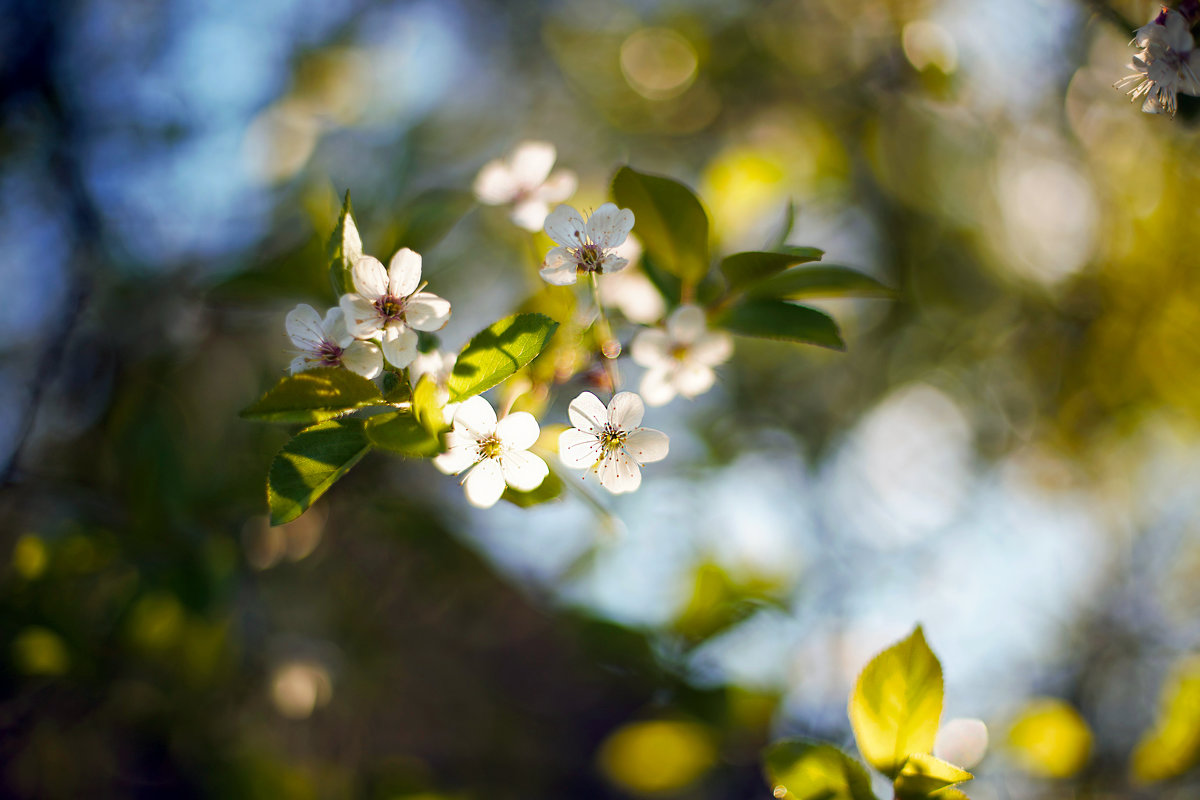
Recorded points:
(587, 413)
(523, 470)
(532, 162)
(686, 324)
(564, 274)
(692, 379)
(714, 347)
(495, 184)
(566, 227)
(361, 317)
(404, 272)
(363, 358)
(399, 346)
(427, 312)
(484, 484)
(558, 187)
(476, 416)
(305, 328)
(625, 410)
(657, 387)
(611, 264)
(370, 278)
(578, 449)
(460, 453)
(518, 431)
(609, 226)
(335, 327)
(300, 364)
(650, 348)
(647, 445)
(619, 473)
(530, 214)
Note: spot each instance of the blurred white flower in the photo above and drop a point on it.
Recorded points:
(680, 359)
(585, 246)
(524, 180)
(437, 365)
(496, 453)
(387, 302)
(962, 741)
(1163, 68)
(630, 291)
(327, 343)
(609, 442)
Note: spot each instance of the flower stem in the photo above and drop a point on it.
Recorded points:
(610, 348)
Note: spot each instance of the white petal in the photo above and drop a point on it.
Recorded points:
(460, 453)
(361, 317)
(714, 347)
(577, 449)
(611, 264)
(484, 484)
(476, 416)
(351, 241)
(335, 327)
(530, 214)
(518, 431)
(692, 379)
(304, 327)
(558, 187)
(427, 312)
(609, 226)
(363, 358)
(495, 183)
(399, 346)
(532, 162)
(523, 470)
(651, 348)
(619, 473)
(566, 227)
(625, 410)
(657, 387)
(686, 324)
(404, 273)
(587, 413)
(564, 273)
(299, 364)
(370, 278)
(647, 445)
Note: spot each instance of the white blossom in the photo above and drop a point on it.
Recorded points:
(1162, 69)
(680, 359)
(524, 180)
(388, 303)
(327, 343)
(585, 245)
(630, 291)
(609, 440)
(437, 366)
(494, 454)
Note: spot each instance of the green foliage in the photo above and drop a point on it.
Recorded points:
(430, 216)
(823, 280)
(498, 351)
(312, 396)
(746, 269)
(1172, 746)
(400, 432)
(344, 248)
(670, 221)
(310, 463)
(802, 770)
(923, 774)
(427, 405)
(551, 489)
(776, 319)
(896, 704)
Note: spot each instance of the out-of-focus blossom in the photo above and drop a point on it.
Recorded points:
(609, 440)
(437, 365)
(1162, 69)
(524, 181)
(630, 291)
(680, 359)
(327, 343)
(496, 453)
(585, 245)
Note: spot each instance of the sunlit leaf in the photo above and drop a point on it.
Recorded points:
(785, 228)
(345, 246)
(776, 319)
(822, 280)
(923, 774)
(668, 219)
(746, 269)
(497, 352)
(803, 770)
(896, 704)
(312, 396)
(310, 463)
(401, 432)
(1050, 738)
(428, 217)
(551, 489)
(396, 388)
(428, 404)
(1172, 746)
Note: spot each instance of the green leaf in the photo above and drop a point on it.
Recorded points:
(746, 269)
(775, 319)
(825, 280)
(428, 404)
(402, 433)
(785, 229)
(310, 463)
(312, 396)
(396, 388)
(344, 248)
(949, 793)
(802, 770)
(431, 215)
(923, 774)
(551, 489)
(896, 704)
(497, 352)
(668, 219)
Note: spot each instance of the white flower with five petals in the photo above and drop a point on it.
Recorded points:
(680, 359)
(495, 453)
(585, 245)
(327, 343)
(388, 302)
(609, 440)
(524, 180)
(1163, 68)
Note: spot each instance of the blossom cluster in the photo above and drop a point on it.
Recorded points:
(1162, 69)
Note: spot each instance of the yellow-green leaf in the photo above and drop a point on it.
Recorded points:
(1050, 738)
(803, 770)
(896, 704)
(402, 433)
(668, 219)
(310, 463)
(315, 395)
(498, 351)
(1172, 746)
(923, 774)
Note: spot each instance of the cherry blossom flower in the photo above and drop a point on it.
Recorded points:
(1163, 68)
(585, 245)
(524, 180)
(495, 453)
(327, 343)
(630, 291)
(388, 303)
(680, 359)
(609, 442)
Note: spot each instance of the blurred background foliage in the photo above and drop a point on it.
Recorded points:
(1007, 453)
